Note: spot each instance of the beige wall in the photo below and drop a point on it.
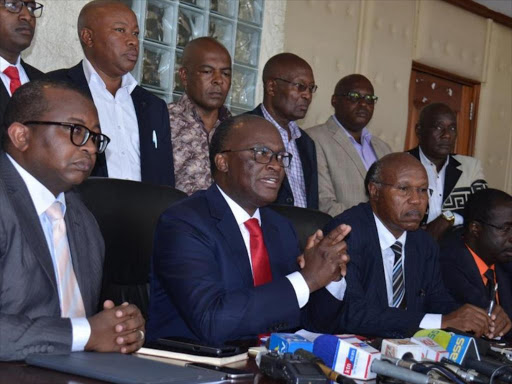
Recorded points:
(381, 38)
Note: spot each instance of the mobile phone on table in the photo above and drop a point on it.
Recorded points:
(193, 347)
(231, 373)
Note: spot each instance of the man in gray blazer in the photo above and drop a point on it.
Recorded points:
(51, 249)
(344, 146)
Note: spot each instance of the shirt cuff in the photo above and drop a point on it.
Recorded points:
(431, 321)
(459, 219)
(337, 288)
(300, 286)
(81, 333)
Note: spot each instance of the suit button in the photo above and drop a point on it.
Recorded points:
(289, 200)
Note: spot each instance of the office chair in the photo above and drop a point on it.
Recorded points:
(127, 213)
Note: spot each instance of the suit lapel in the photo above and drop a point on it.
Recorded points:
(411, 271)
(32, 73)
(4, 99)
(307, 169)
(346, 145)
(145, 139)
(230, 231)
(27, 216)
(272, 243)
(452, 176)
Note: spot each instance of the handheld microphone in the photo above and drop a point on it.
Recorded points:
(329, 373)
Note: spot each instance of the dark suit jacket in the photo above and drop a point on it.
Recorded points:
(29, 301)
(156, 164)
(463, 177)
(32, 74)
(366, 302)
(307, 153)
(201, 281)
(462, 278)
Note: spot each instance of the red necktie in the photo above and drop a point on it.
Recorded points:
(13, 74)
(259, 257)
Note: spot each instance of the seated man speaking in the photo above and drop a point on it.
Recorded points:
(224, 266)
(394, 283)
(51, 249)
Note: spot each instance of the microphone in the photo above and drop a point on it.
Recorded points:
(331, 375)
(358, 360)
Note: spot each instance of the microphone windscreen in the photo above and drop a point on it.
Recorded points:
(326, 347)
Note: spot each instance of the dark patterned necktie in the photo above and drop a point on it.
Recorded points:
(399, 300)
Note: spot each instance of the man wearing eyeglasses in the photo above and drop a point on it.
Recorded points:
(477, 259)
(288, 86)
(345, 147)
(51, 249)
(17, 26)
(136, 120)
(224, 265)
(452, 178)
(394, 284)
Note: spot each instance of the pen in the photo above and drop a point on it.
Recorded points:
(492, 302)
(155, 142)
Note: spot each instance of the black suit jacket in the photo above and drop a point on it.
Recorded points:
(32, 74)
(366, 303)
(462, 277)
(156, 164)
(307, 153)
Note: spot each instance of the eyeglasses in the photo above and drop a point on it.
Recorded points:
(355, 97)
(264, 155)
(406, 191)
(15, 6)
(300, 87)
(505, 229)
(79, 134)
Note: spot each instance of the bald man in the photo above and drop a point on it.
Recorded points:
(394, 283)
(135, 120)
(288, 85)
(345, 147)
(206, 77)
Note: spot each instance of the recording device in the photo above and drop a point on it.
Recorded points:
(183, 345)
(292, 369)
(230, 373)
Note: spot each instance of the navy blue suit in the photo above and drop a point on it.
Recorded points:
(32, 73)
(156, 164)
(462, 277)
(366, 309)
(307, 154)
(201, 280)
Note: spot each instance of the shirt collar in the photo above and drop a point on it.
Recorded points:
(189, 107)
(386, 238)
(4, 64)
(426, 161)
(482, 267)
(294, 128)
(41, 196)
(127, 81)
(366, 136)
(241, 216)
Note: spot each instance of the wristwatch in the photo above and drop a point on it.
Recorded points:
(449, 216)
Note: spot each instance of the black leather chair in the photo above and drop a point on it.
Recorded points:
(306, 221)
(127, 213)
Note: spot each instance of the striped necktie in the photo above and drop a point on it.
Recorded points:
(71, 302)
(399, 300)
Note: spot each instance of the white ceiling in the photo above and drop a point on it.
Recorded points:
(502, 6)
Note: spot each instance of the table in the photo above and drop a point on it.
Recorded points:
(21, 373)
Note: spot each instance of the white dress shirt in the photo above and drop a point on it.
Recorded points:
(5, 79)
(386, 240)
(42, 199)
(436, 184)
(337, 289)
(118, 120)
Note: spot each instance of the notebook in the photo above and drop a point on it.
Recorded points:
(123, 369)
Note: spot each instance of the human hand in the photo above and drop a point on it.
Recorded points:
(501, 323)
(325, 258)
(116, 329)
(468, 318)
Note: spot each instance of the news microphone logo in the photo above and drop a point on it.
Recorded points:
(349, 361)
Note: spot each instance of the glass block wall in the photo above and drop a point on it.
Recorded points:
(166, 26)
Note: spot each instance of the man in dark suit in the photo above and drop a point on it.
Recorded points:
(394, 284)
(51, 249)
(476, 257)
(17, 26)
(224, 266)
(452, 178)
(288, 86)
(135, 120)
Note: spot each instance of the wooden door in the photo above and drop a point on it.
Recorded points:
(429, 85)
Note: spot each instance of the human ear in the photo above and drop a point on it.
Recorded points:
(19, 135)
